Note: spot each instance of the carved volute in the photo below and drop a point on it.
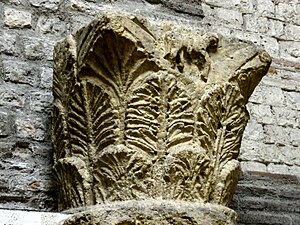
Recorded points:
(150, 115)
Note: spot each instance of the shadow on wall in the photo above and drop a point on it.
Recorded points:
(267, 199)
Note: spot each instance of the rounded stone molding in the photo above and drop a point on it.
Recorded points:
(152, 212)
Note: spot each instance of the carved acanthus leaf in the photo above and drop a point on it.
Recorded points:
(139, 116)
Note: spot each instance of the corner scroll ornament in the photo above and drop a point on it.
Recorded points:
(142, 114)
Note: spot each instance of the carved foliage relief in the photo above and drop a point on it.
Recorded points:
(142, 114)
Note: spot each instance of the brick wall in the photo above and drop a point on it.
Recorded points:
(30, 28)
(272, 138)
(267, 199)
(268, 192)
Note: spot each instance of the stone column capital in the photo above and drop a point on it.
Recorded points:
(148, 111)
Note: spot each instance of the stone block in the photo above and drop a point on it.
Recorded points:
(53, 218)
(288, 11)
(253, 166)
(290, 50)
(92, 8)
(290, 191)
(287, 118)
(283, 169)
(276, 135)
(261, 113)
(292, 32)
(8, 43)
(270, 204)
(268, 95)
(265, 7)
(284, 79)
(288, 155)
(243, 6)
(262, 194)
(42, 151)
(265, 218)
(254, 188)
(14, 18)
(254, 131)
(192, 7)
(4, 183)
(46, 78)
(276, 28)
(12, 96)
(208, 12)
(295, 137)
(17, 181)
(259, 152)
(22, 150)
(230, 17)
(30, 127)
(289, 75)
(21, 72)
(19, 2)
(5, 147)
(264, 25)
(225, 31)
(296, 18)
(78, 21)
(38, 48)
(244, 36)
(29, 176)
(257, 24)
(51, 25)
(293, 99)
(268, 43)
(78, 5)
(41, 102)
(45, 4)
(6, 122)
(295, 219)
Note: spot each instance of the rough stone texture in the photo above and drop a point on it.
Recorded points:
(142, 113)
(189, 6)
(274, 105)
(54, 20)
(152, 212)
(17, 217)
(17, 18)
(192, 7)
(269, 199)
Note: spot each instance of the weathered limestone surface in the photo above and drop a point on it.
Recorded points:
(26, 91)
(150, 111)
(153, 212)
